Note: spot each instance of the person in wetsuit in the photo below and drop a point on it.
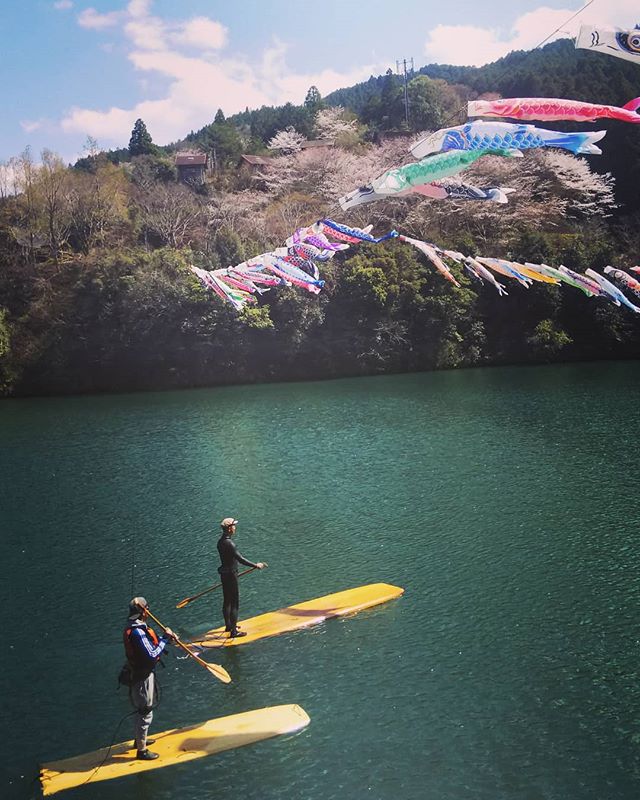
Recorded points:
(228, 569)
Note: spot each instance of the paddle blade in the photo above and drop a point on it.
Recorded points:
(219, 671)
(184, 602)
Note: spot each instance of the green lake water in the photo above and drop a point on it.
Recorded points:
(504, 501)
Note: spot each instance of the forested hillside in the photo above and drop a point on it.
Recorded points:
(96, 293)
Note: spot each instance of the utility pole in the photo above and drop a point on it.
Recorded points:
(404, 77)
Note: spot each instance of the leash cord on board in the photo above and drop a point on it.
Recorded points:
(108, 753)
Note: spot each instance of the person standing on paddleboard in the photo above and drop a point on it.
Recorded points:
(143, 650)
(229, 558)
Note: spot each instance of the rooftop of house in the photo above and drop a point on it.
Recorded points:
(258, 160)
(191, 159)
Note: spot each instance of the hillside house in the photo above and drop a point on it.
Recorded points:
(253, 163)
(314, 144)
(191, 167)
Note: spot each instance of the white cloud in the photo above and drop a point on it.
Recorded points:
(197, 89)
(109, 124)
(473, 45)
(90, 18)
(476, 45)
(203, 33)
(139, 8)
(146, 33)
(196, 84)
(280, 84)
(29, 126)
(63, 5)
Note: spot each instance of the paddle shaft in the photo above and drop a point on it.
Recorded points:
(215, 669)
(188, 600)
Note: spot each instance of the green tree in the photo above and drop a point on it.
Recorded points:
(149, 169)
(140, 143)
(313, 101)
(369, 284)
(219, 117)
(228, 247)
(257, 318)
(547, 339)
(391, 102)
(266, 121)
(390, 87)
(223, 143)
(425, 111)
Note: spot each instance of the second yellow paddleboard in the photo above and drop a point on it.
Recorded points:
(304, 614)
(173, 747)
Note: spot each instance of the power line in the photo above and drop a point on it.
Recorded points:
(560, 27)
(406, 94)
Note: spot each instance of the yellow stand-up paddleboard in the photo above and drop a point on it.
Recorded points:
(173, 747)
(304, 614)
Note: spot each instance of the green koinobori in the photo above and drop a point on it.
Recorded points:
(429, 169)
(432, 168)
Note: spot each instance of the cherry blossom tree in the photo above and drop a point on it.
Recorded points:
(552, 189)
(287, 141)
(333, 123)
(240, 213)
(330, 172)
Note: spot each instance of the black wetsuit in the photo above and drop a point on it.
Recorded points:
(230, 558)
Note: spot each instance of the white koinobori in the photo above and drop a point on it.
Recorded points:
(619, 43)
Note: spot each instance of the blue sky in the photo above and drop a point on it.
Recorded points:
(76, 68)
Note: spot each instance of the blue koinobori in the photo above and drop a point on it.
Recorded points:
(482, 135)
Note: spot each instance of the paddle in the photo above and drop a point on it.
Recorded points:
(215, 669)
(188, 600)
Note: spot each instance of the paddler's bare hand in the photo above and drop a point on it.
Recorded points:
(261, 565)
(170, 634)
